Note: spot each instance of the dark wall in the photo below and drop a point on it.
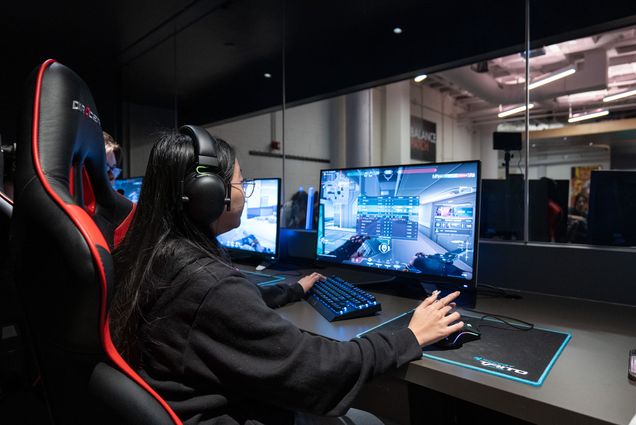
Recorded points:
(595, 273)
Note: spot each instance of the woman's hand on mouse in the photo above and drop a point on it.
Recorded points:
(308, 281)
(431, 320)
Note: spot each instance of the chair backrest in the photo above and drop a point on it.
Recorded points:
(66, 220)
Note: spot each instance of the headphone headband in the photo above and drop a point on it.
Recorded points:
(204, 145)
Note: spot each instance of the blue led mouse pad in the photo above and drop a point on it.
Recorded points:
(520, 355)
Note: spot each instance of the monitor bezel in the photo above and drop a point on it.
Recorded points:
(255, 254)
(425, 278)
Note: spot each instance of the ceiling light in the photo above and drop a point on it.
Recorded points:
(420, 78)
(588, 115)
(267, 75)
(397, 30)
(619, 95)
(514, 110)
(553, 77)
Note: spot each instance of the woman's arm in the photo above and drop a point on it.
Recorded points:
(240, 343)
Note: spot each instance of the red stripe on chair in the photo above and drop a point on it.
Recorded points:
(35, 134)
(121, 363)
(122, 229)
(89, 195)
(71, 182)
(88, 232)
(96, 236)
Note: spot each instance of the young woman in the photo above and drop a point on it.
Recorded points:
(208, 340)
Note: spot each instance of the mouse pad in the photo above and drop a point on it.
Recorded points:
(521, 355)
(262, 279)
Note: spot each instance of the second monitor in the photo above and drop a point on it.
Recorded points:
(130, 188)
(258, 233)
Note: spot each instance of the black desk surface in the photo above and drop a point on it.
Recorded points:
(587, 385)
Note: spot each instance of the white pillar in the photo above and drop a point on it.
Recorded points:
(396, 147)
(358, 128)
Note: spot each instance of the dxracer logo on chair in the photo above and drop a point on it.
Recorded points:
(499, 366)
(86, 111)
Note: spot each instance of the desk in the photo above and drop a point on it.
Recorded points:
(587, 385)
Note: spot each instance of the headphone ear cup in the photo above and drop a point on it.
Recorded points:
(206, 198)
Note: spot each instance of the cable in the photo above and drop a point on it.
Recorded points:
(526, 326)
(371, 282)
(495, 291)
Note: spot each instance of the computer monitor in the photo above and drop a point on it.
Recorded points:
(258, 233)
(612, 208)
(130, 188)
(416, 221)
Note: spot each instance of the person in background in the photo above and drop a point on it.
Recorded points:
(209, 341)
(295, 211)
(316, 215)
(113, 152)
(555, 212)
(577, 231)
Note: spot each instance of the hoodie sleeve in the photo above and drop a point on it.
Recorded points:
(280, 294)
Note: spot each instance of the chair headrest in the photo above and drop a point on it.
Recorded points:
(68, 130)
(67, 147)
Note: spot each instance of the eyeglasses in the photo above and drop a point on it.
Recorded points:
(113, 170)
(247, 186)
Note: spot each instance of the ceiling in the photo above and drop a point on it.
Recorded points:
(208, 58)
(601, 65)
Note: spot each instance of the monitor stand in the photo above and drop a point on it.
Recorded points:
(265, 264)
(420, 289)
(259, 263)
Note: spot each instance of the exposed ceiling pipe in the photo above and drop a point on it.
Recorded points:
(591, 75)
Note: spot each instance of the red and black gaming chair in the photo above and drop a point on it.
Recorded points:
(66, 220)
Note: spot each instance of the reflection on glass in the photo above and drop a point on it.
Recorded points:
(582, 117)
(583, 127)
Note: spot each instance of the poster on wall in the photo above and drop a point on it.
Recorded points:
(423, 139)
(580, 188)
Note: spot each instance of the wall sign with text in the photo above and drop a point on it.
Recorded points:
(423, 139)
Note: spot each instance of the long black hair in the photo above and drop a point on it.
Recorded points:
(160, 236)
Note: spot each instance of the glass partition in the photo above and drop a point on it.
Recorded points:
(425, 111)
(583, 139)
(304, 115)
(469, 112)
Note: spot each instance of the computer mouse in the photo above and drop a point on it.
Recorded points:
(458, 338)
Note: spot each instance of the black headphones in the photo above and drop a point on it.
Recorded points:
(203, 191)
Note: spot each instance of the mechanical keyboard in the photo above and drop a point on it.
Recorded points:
(337, 299)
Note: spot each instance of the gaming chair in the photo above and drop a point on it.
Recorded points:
(66, 221)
